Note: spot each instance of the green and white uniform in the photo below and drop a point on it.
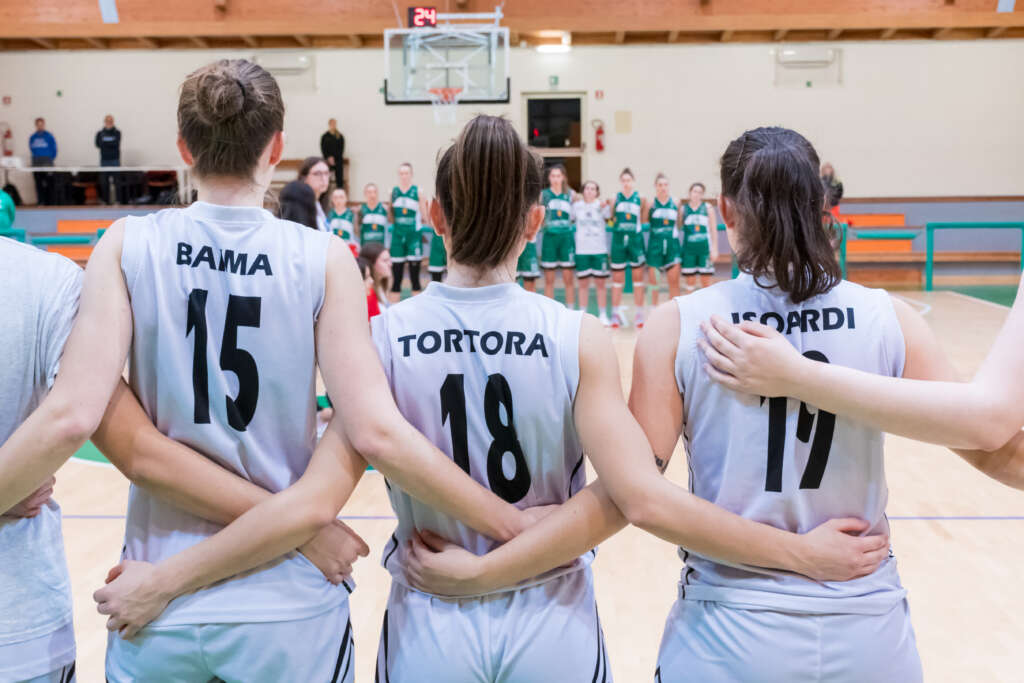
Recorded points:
(696, 245)
(438, 262)
(373, 224)
(663, 242)
(341, 224)
(406, 240)
(627, 232)
(527, 267)
(557, 249)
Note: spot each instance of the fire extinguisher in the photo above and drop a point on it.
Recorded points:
(598, 125)
(6, 139)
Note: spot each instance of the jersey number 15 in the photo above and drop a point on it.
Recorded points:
(243, 311)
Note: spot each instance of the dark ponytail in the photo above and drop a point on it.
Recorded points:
(486, 183)
(770, 175)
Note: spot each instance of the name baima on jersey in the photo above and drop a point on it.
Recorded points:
(488, 375)
(216, 293)
(779, 461)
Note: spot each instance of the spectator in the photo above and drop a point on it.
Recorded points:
(108, 140)
(43, 148)
(6, 211)
(379, 258)
(332, 146)
(833, 187)
(298, 204)
(314, 172)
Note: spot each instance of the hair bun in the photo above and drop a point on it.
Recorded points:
(220, 96)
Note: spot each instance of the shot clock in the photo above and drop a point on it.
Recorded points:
(422, 17)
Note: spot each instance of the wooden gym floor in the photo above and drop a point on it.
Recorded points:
(953, 533)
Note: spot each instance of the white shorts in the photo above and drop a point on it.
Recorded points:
(40, 660)
(715, 643)
(315, 649)
(547, 632)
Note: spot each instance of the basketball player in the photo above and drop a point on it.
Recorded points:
(373, 218)
(557, 244)
(438, 262)
(591, 216)
(985, 413)
(407, 207)
(340, 219)
(283, 291)
(528, 266)
(663, 242)
(524, 388)
(700, 243)
(627, 249)
(763, 459)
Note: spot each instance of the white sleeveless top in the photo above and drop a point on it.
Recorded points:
(224, 300)
(488, 375)
(782, 463)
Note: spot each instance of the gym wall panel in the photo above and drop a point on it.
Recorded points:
(910, 119)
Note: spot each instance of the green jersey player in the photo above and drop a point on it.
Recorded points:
(663, 242)
(340, 219)
(557, 242)
(407, 208)
(699, 247)
(373, 218)
(627, 248)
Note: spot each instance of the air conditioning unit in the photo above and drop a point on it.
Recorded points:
(808, 66)
(284, 63)
(803, 56)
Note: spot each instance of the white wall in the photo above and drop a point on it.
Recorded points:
(911, 118)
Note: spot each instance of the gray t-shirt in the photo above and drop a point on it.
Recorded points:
(39, 298)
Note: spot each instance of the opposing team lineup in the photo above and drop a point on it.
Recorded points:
(479, 401)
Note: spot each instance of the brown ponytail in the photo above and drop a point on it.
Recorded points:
(486, 183)
(228, 112)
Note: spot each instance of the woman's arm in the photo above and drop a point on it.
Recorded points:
(629, 473)
(137, 592)
(713, 231)
(356, 382)
(192, 482)
(983, 414)
(90, 368)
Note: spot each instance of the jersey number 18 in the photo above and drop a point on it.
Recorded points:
(505, 440)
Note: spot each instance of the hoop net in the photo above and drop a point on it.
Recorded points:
(444, 102)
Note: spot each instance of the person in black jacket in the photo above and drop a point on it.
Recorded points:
(332, 148)
(108, 140)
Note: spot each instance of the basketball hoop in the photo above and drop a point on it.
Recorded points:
(444, 101)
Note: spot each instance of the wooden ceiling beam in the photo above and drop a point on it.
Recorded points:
(835, 33)
(673, 36)
(995, 32)
(620, 37)
(199, 41)
(940, 33)
(780, 34)
(44, 42)
(148, 42)
(97, 43)
(250, 41)
(356, 40)
(888, 33)
(726, 36)
(302, 40)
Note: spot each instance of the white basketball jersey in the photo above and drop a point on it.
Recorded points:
(591, 227)
(488, 375)
(783, 463)
(224, 300)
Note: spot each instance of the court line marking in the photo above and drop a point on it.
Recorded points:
(980, 301)
(922, 307)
